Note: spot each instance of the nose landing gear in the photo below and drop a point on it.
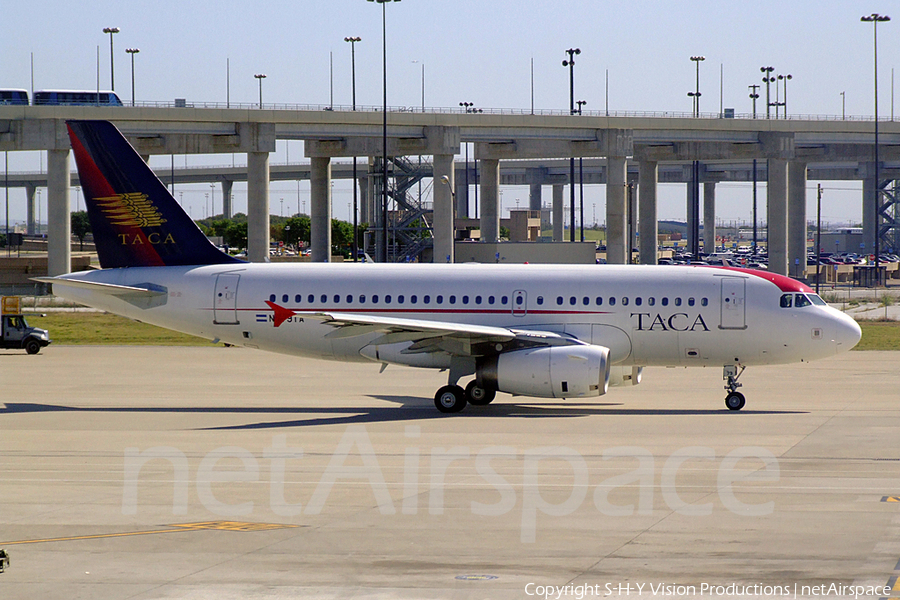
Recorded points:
(731, 373)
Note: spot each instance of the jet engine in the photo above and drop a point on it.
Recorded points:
(621, 376)
(547, 372)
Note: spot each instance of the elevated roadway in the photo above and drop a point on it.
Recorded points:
(790, 150)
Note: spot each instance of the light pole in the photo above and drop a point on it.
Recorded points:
(767, 79)
(384, 194)
(875, 18)
(696, 93)
(580, 104)
(132, 52)
(260, 77)
(785, 78)
(754, 95)
(112, 71)
(423, 82)
(352, 41)
(843, 105)
(571, 64)
(469, 108)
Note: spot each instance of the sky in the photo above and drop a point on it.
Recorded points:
(473, 51)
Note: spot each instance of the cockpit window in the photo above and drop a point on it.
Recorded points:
(787, 300)
(800, 300)
(817, 300)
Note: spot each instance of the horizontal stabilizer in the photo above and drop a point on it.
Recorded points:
(144, 297)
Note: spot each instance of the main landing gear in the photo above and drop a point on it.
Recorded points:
(734, 400)
(453, 398)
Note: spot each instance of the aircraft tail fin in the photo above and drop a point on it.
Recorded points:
(135, 220)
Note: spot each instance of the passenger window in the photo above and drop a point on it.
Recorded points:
(612, 300)
(439, 299)
(387, 299)
(651, 301)
(400, 299)
(362, 299)
(374, 298)
(572, 300)
(285, 298)
(800, 301)
(413, 299)
(638, 301)
(585, 300)
(664, 301)
(465, 299)
(271, 297)
(504, 300)
(625, 301)
(599, 301)
(490, 299)
(310, 298)
(426, 299)
(786, 301)
(337, 299)
(704, 302)
(519, 300)
(477, 299)
(559, 300)
(690, 301)
(452, 299)
(323, 299)
(298, 299)
(349, 299)
(677, 301)
(540, 300)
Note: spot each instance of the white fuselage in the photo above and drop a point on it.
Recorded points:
(645, 315)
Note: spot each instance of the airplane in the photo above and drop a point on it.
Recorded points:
(544, 331)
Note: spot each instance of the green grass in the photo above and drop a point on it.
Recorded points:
(93, 328)
(879, 335)
(104, 328)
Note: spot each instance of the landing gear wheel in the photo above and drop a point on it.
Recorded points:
(735, 401)
(450, 399)
(32, 346)
(479, 396)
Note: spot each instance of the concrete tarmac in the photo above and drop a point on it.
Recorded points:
(151, 472)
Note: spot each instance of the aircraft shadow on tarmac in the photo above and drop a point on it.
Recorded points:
(407, 408)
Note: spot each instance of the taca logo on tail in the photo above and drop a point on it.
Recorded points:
(135, 220)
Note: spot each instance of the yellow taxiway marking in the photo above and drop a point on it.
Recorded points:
(179, 528)
(891, 499)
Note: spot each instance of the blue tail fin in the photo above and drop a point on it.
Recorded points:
(135, 220)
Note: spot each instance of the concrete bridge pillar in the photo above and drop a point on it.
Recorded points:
(534, 196)
(869, 212)
(709, 217)
(59, 232)
(30, 227)
(648, 221)
(320, 209)
(443, 208)
(616, 211)
(227, 206)
(557, 217)
(796, 232)
(490, 200)
(777, 192)
(258, 206)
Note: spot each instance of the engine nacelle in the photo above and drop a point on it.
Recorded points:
(548, 372)
(620, 376)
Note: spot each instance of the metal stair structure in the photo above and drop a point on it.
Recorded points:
(409, 215)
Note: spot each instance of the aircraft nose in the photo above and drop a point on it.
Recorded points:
(847, 332)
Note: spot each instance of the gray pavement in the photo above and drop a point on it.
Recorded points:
(147, 472)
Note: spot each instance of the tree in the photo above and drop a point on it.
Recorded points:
(81, 226)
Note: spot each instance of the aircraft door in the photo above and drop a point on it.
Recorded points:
(733, 309)
(225, 300)
(519, 303)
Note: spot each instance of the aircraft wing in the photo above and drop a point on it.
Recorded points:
(459, 339)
